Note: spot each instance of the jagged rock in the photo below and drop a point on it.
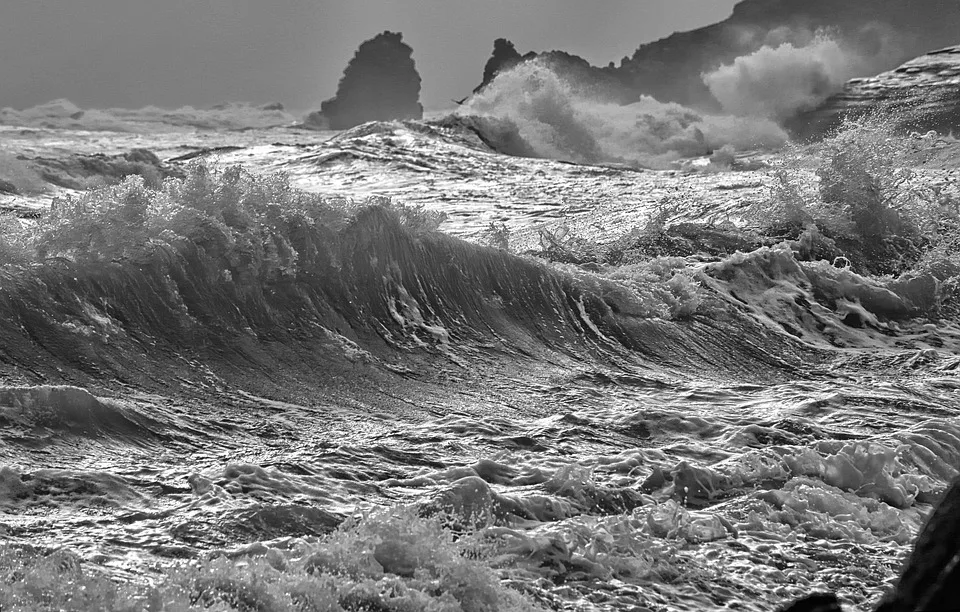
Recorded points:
(380, 83)
(922, 94)
(504, 57)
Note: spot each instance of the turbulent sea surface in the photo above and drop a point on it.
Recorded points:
(625, 445)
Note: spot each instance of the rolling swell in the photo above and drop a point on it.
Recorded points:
(360, 295)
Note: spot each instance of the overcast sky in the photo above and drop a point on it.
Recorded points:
(131, 53)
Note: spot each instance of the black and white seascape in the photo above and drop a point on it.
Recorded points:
(459, 330)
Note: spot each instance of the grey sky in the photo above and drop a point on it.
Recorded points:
(132, 53)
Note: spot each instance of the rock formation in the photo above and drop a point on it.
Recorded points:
(672, 69)
(380, 83)
(504, 56)
(922, 94)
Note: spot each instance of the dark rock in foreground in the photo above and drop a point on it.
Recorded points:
(922, 94)
(380, 83)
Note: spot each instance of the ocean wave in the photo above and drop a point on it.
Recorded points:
(372, 287)
(359, 293)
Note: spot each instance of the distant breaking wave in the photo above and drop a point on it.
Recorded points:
(561, 121)
(64, 114)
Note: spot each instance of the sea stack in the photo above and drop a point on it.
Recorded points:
(380, 83)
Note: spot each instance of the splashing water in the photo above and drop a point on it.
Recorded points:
(561, 121)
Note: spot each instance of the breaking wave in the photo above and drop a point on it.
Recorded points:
(359, 293)
(561, 121)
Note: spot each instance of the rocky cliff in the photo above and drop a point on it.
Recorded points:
(883, 32)
(922, 94)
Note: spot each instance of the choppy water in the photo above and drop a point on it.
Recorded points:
(766, 446)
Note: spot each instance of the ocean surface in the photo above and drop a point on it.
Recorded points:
(716, 433)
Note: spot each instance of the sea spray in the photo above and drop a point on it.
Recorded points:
(795, 72)
(561, 120)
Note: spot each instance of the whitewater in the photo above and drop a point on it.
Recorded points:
(395, 417)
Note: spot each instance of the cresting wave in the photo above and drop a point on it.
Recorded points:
(360, 293)
(374, 289)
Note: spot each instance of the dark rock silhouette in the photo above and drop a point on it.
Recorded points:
(922, 94)
(380, 83)
(505, 56)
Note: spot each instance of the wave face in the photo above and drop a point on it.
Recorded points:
(375, 285)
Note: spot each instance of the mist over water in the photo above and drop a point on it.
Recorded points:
(795, 71)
